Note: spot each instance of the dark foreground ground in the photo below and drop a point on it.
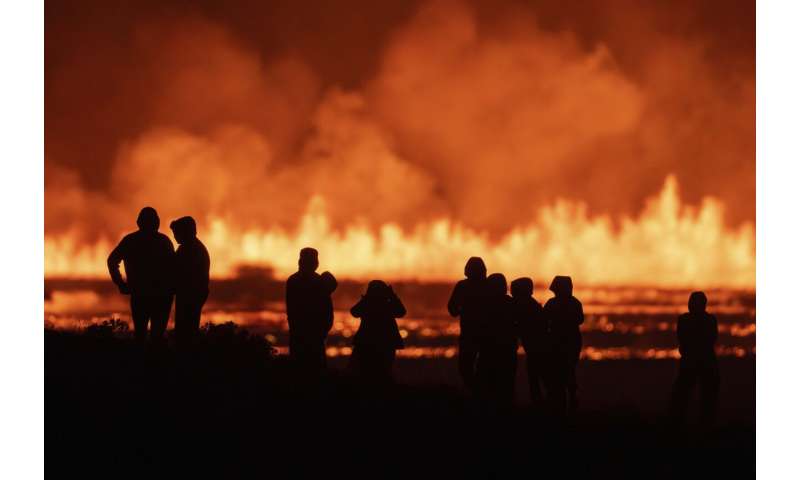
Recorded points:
(230, 410)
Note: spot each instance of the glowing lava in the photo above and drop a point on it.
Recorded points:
(667, 244)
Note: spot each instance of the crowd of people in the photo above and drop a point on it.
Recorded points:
(492, 323)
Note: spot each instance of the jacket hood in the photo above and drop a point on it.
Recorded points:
(496, 284)
(522, 287)
(148, 220)
(561, 286)
(184, 227)
(475, 268)
(697, 302)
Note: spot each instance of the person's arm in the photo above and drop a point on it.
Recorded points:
(114, 259)
(454, 304)
(580, 312)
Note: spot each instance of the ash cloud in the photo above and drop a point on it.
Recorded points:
(480, 117)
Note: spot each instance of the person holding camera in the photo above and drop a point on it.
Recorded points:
(378, 336)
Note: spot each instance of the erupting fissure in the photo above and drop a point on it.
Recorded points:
(668, 244)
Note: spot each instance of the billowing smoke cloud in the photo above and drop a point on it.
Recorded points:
(231, 172)
(480, 120)
(507, 119)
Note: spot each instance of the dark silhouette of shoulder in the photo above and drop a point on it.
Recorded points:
(469, 293)
(309, 307)
(697, 329)
(378, 310)
(498, 328)
(148, 257)
(697, 333)
(192, 266)
(528, 315)
(299, 286)
(564, 313)
(192, 262)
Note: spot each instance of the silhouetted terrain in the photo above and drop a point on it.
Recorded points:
(234, 409)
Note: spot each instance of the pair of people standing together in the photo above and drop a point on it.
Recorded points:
(492, 324)
(309, 310)
(155, 273)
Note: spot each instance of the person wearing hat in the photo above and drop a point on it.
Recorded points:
(148, 257)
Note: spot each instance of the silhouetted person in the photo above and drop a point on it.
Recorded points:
(468, 302)
(192, 264)
(378, 336)
(564, 315)
(497, 352)
(697, 336)
(532, 327)
(309, 311)
(149, 259)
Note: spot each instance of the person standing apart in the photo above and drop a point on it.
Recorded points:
(697, 336)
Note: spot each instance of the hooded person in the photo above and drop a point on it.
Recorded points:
(148, 257)
(564, 316)
(468, 302)
(378, 336)
(532, 329)
(497, 352)
(697, 337)
(192, 265)
(309, 312)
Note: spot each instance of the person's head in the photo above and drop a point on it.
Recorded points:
(377, 289)
(475, 268)
(329, 282)
(561, 286)
(309, 260)
(148, 220)
(697, 302)
(184, 229)
(496, 284)
(522, 287)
